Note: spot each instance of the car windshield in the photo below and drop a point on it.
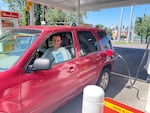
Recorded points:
(13, 45)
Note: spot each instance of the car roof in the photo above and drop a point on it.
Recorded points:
(60, 27)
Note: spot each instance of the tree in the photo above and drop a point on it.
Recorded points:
(60, 17)
(146, 26)
(18, 6)
(15, 5)
(54, 17)
(37, 15)
(51, 15)
(99, 26)
(142, 27)
(108, 30)
(138, 24)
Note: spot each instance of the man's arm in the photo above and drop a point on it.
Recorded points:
(68, 54)
(48, 54)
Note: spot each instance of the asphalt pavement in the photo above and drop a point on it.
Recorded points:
(119, 90)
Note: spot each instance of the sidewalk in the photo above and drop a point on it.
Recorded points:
(128, 45)
(136, 96)
(120, 91)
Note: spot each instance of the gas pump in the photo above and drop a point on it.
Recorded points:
(147, 107)
(148, 63)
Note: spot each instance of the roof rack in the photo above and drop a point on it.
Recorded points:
(73, 24)
(86, 25)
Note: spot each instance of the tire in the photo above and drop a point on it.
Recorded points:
(104, 77)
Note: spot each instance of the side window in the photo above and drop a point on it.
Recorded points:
(46, 49)
(105, 39)
(87, 41)
(58, 47)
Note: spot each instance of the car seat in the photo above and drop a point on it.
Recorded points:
(66, 42)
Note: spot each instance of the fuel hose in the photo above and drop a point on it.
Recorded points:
(139, 67)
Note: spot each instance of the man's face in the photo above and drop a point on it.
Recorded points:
(56, 42)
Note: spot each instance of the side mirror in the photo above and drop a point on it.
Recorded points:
(41, 64)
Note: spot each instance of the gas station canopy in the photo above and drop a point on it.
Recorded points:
(89, 5)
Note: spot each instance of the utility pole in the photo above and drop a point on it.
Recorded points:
(130, 25)
(32, 15)
(43, 15)
(78, 13)
(120, 27)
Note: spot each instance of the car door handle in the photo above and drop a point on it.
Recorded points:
(98, 57)
(71, 69)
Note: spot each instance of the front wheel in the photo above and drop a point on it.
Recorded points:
(104, 77)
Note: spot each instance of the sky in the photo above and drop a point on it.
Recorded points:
(109, 17)
(3, 6)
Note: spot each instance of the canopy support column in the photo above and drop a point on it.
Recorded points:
(32, 15)
(78, 13)
(130, 25)
(120, 27)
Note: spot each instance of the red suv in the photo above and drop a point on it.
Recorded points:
(33, 83)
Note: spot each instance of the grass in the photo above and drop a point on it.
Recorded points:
(123, 42)
(119, 42)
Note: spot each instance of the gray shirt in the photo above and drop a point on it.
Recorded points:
(58, 55)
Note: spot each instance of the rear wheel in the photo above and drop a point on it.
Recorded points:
(104, 77)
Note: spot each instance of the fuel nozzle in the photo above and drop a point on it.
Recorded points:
(117, 55)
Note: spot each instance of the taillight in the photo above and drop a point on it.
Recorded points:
(109, 52)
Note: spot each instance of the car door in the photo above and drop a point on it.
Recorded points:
(89, 57)
(62, 82)
(44, 90)
(105, 44)
(33, 91)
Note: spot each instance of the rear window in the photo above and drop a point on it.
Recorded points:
(87, 41)
(105, 40)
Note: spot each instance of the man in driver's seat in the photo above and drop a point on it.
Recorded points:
(59, 53)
